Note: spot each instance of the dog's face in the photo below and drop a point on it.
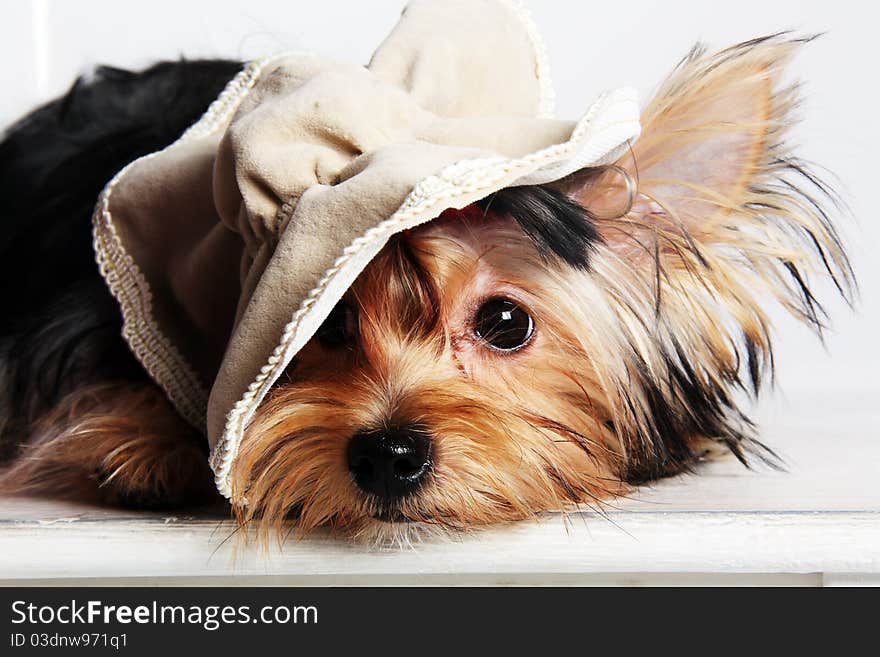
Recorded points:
(451, 385)
(550, 345)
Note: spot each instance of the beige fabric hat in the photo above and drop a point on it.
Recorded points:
(228, 249)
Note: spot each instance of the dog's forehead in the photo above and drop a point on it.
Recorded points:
(467, 259)
(472, 227)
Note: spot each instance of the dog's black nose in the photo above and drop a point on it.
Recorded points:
(391, 463)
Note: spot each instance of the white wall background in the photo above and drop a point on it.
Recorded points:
(44, 44)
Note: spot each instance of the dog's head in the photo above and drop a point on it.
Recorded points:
(550, 345)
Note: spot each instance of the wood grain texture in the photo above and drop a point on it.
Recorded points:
(822, 516)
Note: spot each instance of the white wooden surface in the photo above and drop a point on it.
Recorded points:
(817, 524)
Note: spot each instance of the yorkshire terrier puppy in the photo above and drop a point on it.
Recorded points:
(546, 347)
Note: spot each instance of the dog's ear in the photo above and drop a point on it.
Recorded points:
(709, 196)
(705, 140)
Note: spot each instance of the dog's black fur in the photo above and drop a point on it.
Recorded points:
(60, 328)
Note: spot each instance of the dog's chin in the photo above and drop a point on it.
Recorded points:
(389, 526)
(390, 515)
(393, 533)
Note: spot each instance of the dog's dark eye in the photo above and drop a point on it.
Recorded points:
(340, 327)
(503, 325)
